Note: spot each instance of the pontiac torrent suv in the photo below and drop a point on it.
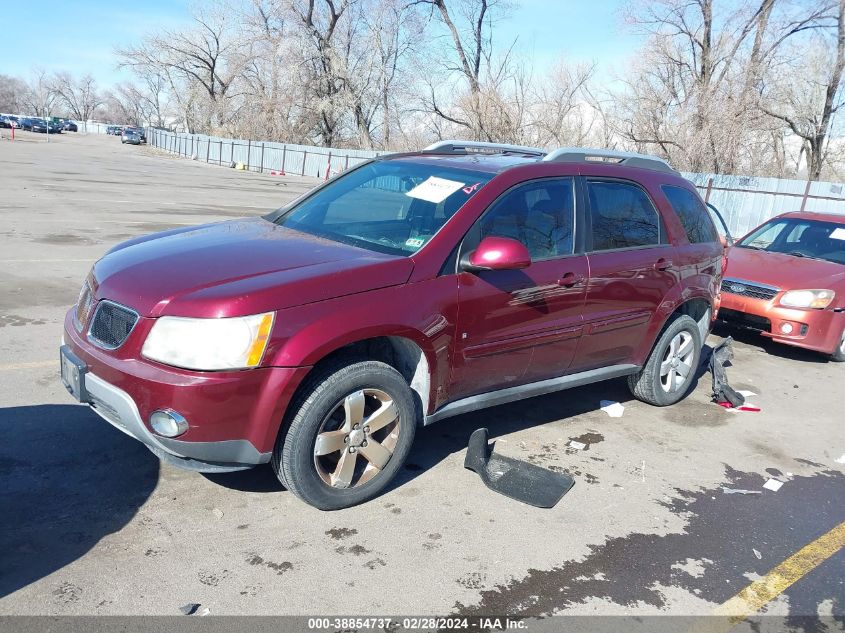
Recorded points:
(409, 289)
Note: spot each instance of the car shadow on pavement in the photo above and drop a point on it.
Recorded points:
(69, 479)
(435, 443)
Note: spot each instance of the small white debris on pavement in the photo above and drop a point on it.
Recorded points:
(773, 485)
(577, 445)
(612, 408)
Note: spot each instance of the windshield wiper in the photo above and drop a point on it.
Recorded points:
(800, 254)
(754, 248)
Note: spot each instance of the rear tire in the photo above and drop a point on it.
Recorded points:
(838, 355)
(347, 434)
(670, 369)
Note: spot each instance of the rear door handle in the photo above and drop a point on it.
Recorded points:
(663, 264)
(570, 279)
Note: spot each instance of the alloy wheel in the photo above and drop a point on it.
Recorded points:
(364, 424)
(676, 365)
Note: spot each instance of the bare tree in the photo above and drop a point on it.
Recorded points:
(13, 91)
(695, 95)
(810, 97)
(79, 96)
(200, 63)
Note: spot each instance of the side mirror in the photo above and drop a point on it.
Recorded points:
(497, 253)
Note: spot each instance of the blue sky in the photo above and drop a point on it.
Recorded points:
(82, 39)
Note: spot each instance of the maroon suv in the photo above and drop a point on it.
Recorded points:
(409, 289)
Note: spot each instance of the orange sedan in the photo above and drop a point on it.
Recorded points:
(786, 280)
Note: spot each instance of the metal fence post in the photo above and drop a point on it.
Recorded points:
(192, 145)
(284, 157)
(806, 195)
(304, 156)
(232, 152)
(248, 152)
(220, 153)
(328, 166)
(346, 165)
(207, 148)
(709, 189)
(261, 168)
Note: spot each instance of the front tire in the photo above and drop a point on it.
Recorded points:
(348, 434)
(670, 369)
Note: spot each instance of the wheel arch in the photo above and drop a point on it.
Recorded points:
(695, 303)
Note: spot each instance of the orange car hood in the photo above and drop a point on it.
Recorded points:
(783, 271)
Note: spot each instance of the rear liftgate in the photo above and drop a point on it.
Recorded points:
(514, 478)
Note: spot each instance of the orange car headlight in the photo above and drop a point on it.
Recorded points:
(818, 299)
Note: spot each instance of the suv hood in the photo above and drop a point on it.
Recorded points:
(236, 268)
(783, 271)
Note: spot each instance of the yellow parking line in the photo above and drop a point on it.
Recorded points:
(762, 591)
(33, 365)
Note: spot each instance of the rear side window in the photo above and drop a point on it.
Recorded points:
(623, 216)
(692, 213)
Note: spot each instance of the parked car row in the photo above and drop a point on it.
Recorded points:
(38, 124)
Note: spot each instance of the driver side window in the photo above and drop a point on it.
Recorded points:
(539, 214)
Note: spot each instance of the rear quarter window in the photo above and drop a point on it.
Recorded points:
(692, 213)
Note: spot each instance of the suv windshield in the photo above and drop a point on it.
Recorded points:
(389, 206)
(800, 238)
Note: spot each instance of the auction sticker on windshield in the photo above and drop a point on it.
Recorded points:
(435, 189)
(838, 234)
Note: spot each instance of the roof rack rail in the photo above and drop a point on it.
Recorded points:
(628, 159)
(468, 147)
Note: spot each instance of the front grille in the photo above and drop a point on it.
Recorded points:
(83, 306)
(111, 324)
(746, 289)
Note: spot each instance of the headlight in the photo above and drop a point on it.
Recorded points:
(807, 298)
(209, 344)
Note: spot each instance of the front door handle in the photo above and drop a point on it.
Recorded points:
(663, 264)
(570, 279)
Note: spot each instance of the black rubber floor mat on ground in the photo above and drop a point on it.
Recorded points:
(514, 478)
(721, 356)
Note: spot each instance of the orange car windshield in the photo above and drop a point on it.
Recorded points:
(800, 238)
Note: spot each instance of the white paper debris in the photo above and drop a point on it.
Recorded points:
(757, 554)
(740, 491)
(218, 513)
(435, 189)
(612, 408)
(841, 460)
(577, 445)
(773, 485)
(838, 234)
(746, 394)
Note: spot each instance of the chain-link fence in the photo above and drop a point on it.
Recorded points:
(260, 156)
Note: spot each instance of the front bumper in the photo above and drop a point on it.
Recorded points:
(233, 417)
(817, 330)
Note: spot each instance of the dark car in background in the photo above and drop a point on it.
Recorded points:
(39, 125)
(26, 123)
(70, 126)
(141, 132)
(130, 137)
(5, 122)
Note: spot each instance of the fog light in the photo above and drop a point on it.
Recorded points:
(786, 328)
(168, 423)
